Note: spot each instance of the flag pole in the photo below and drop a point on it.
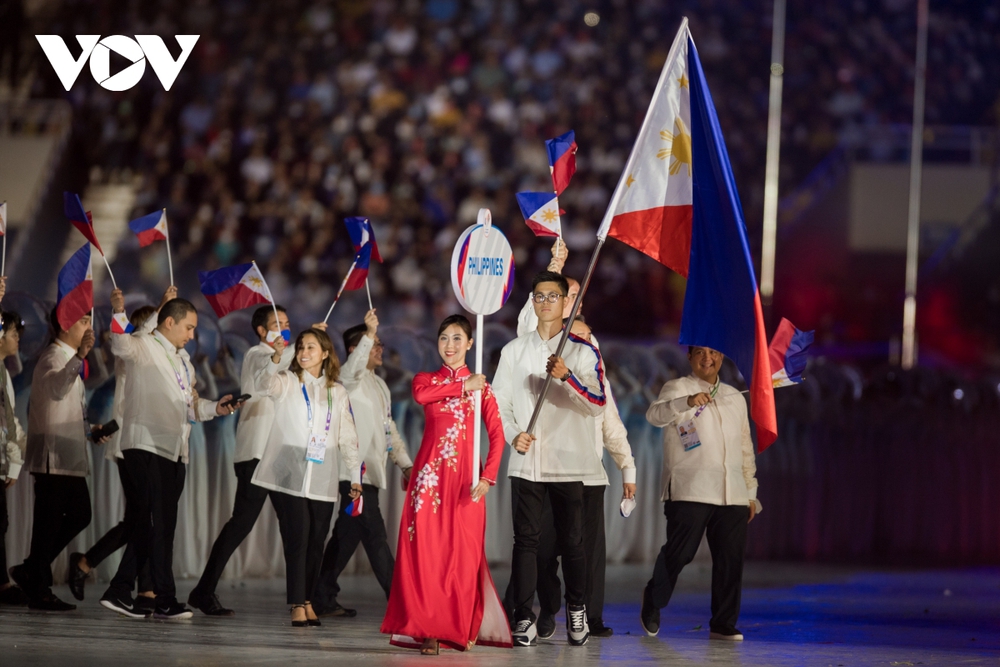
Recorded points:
(341, 290)
(368, 289)
(266, 286)
(109, 270)
(170, 262)
(3, 259)
(477, 434)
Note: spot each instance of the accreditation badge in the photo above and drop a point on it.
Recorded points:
(316, 448)
(689, 435)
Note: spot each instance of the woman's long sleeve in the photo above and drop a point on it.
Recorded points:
(494, 429)
(425, 392)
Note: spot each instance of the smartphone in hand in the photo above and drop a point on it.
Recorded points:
(236, 402)
(104, 431)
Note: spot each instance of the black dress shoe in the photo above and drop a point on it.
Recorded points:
(298, 624)
(19, 575)
(598, 629)
(76, 577)
(649, 615)
(14, 596)
(49, 602)
(335, 610)
(546, 626)
(209, 604)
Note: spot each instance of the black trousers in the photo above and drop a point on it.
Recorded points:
(368, 529)
(304, 525)
(4, 524)
(726, 529)
(567, 512)
(62, 510)
(249, 502)
(595, 549)
(152, 486)
(115, 539)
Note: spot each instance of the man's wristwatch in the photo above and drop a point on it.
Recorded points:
(568, 375)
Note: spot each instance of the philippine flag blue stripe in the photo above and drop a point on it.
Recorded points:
(74, 271)
(214, 282)
(146, 222)
(721, 304)
(532, 201)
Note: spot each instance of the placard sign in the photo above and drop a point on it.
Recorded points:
(482, 267)
(482, 274)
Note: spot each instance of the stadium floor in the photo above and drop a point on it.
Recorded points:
(792, 615)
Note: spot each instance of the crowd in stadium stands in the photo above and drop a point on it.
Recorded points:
(290, 116)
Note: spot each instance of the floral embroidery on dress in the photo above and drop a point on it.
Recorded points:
(426, 483)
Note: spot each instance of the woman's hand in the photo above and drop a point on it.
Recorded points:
(479, 490)
(475, 383)
(355, 491)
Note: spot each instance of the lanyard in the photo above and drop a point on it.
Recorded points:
(309, 410)
(185, 389)
(711, 393)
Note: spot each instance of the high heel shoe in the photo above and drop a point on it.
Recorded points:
(430, 647)
(298, 624)
(314, 621)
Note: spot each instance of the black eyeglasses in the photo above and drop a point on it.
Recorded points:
(551, 297)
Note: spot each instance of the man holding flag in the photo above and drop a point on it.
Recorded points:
(157, 414)
(58, 433)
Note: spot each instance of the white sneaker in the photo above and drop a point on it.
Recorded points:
(577, 628)
(525, 634)
(737, 636)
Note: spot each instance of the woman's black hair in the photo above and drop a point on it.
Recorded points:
(461, 320)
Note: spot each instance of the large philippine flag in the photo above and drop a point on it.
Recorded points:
(150, 228)
(361, 233)
(81, 219)
(234, 288)
(75, 288)
(677, 202)
(541, 212)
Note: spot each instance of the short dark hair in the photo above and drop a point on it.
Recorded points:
(260, 316)
(550, 277)
(12, 320)
(176, 309)
(461, 320)
(579, 318)
(353, 336)
(54, 320)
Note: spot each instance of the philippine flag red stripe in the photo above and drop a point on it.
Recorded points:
(562, 160)
(362, 260)
(75, 289)
(677, 202)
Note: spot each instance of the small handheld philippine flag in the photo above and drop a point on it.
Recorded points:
(361, 232)
(76, 289)
(81, 219)
(562, 160)
(541, 212)
(150, 228)
(234, 288)
(120, 324)
(788, 354)
(362, 260)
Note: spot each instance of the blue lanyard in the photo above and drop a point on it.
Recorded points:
(309, 410)
(712, 393)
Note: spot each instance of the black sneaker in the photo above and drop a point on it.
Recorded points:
(76, 577)
(525, 634)
(649, 615)
(49, 602)
(145, 604)
(335, 610)
(598, 629)
(577, 630)
(124, 605)
(13, 595)
(208, 604)
(546, 626)
(175, 612)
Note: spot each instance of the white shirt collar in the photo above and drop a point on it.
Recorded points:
(65, 346)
